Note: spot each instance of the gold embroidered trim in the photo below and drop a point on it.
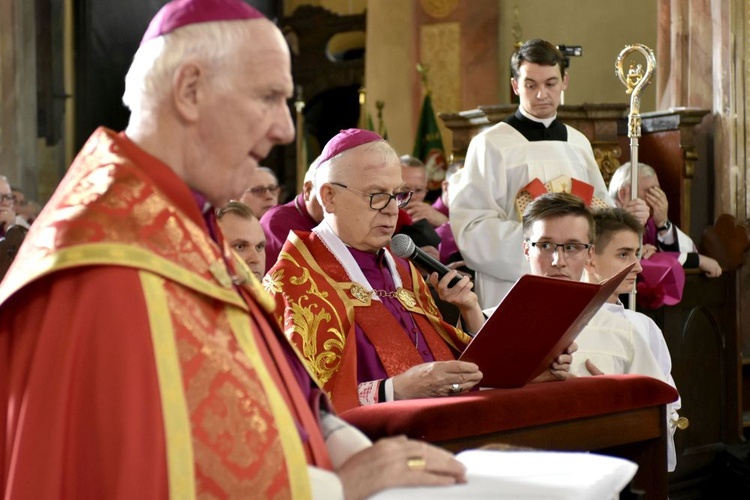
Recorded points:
(178, 436)
(294, 455)
(401, 294)
(123, 255)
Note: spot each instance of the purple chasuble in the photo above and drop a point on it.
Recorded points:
(440, 206)
(279, 220)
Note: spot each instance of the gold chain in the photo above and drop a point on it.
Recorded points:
(383, 293)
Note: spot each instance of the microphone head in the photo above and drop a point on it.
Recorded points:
(402, 246)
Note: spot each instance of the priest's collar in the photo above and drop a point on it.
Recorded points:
(544, 121)
(533, 129)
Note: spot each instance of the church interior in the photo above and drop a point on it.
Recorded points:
(356, 62)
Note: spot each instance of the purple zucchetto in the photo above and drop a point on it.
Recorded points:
(179, 13)
(347, 139)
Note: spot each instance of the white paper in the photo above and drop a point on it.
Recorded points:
(529, 475)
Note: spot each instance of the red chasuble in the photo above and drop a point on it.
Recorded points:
(322, 306)
(130, 365)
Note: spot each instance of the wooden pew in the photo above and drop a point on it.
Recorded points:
(704, 336)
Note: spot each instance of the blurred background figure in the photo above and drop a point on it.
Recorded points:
(242, 230)
(660, 235)
(301, 214)
(7, 210)
(414, 175)
(263, 191)
(21, 207)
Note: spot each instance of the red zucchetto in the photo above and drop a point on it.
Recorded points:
(179, 13)
(347, 139)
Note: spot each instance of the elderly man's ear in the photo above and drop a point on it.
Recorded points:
(307, 190)
(187, 85)
(328, 198)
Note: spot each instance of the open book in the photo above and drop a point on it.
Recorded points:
(533, 325)
(531, 475)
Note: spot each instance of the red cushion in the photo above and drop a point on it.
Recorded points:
(483, 412)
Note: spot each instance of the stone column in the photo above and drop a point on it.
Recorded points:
(18, 128)
(702, 49)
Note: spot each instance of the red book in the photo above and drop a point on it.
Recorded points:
(533, 325)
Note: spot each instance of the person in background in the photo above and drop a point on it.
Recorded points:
(530, 145)
(363, 319)
(301, 214)
(7, 206)
(449, 252)
(243, 232)
(660, 234)
(414, 174)
(20, 205)
(617, 244)
(148, 362)
(262, 192)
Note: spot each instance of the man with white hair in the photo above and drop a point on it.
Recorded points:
(363, 318)
(659, 233)
(138, 357)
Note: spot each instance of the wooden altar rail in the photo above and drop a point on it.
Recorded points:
(621, 415)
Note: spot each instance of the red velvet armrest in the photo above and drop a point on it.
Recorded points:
(484, 412)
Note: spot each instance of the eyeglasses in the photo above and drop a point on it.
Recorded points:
(569, 249)
(378, 201)
(7, 197)
(261, 190)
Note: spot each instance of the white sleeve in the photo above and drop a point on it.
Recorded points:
(684, 242)
(324, 484)
(342, 439)
(488, 235)
(642, 360)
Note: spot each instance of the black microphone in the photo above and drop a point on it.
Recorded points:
(403, 246)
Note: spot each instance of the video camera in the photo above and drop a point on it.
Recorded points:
(569, 51)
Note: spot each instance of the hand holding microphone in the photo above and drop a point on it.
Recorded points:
(403, 246)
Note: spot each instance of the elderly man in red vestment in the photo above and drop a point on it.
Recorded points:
(363, 319)
(139, 357)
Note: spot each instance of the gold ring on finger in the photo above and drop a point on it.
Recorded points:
(416, 463)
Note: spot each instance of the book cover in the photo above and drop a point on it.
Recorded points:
(536, 321)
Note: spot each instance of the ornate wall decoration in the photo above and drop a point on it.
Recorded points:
(607, 156)
(440, 51)
(439, 8)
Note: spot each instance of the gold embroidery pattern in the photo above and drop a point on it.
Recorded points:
(103, 186)
(306, 323)
(234, 432)
(360, 293)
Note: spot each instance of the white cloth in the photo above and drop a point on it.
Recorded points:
(654, 337)
(530, 475)
(342, 441)
(616, 346)
(485, 223)
(684, 243)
